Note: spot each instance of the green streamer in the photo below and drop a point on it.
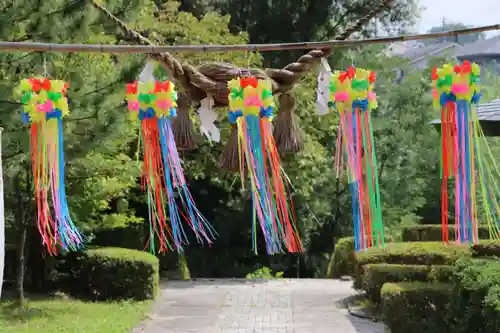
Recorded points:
(377, 187)
(369, 176)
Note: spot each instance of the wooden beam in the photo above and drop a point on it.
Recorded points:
(104, 48)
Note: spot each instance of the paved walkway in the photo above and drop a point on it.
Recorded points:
(242, 306)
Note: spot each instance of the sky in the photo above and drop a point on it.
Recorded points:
(475, 13)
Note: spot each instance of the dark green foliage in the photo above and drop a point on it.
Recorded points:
(132, 236)
(475, 305)
(433, 233)
(415, 307)
(308, 20)
(376, 275)
(342, 260)
(468, 303)
(487, 248)
(115, 273)
(423, 253)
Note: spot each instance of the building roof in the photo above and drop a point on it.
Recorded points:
(419, 53)
(485, 47)
(488, 114)
(398, 48)
(489, 111)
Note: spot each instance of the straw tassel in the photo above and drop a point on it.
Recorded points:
(229, 159)
(182, 124)
(287, 132)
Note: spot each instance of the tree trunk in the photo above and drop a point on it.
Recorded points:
(20, 217)
(20, 267)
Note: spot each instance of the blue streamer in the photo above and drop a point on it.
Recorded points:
(465, 109)
(355, 215)
(255, 142)
(171, 159)
(70, 236)
(178, 233)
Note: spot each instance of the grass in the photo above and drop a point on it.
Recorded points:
(59, 315)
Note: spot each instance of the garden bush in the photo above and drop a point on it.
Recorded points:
(475, 304)
(418, 253)
(342, 260)
(415, 307)
(376, 275)
(433, 233)
(115, 273)
(486, 248)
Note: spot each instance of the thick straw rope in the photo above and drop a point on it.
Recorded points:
(212, 78)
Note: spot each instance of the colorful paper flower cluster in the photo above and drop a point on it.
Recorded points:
(250, 96)
(456, 82)
(43, 99)
(147, 100)
(351, 86)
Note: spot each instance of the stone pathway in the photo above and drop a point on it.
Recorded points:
(243, 306)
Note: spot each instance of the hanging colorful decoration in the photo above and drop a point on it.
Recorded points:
(351, 94)
(44, 106)
(465, 154)
(154, 104)
(251, 107)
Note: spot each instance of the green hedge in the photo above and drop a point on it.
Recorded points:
(376, 275)
(433, 233)
(486, 248)
(475, 305)
(418, 253)
(416, 307)
(115, 273)
(342, 260)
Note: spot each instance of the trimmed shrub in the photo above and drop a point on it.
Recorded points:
(115, 273)
(475, 304)
(418, 253)
(376, 275)
(342, 260)
(415, 307)
(486, 248)
(433, 233)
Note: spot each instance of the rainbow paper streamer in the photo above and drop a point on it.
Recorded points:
(251, 106)
(45, 104)
(351, 94)
(154, 104)
(465, 154)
